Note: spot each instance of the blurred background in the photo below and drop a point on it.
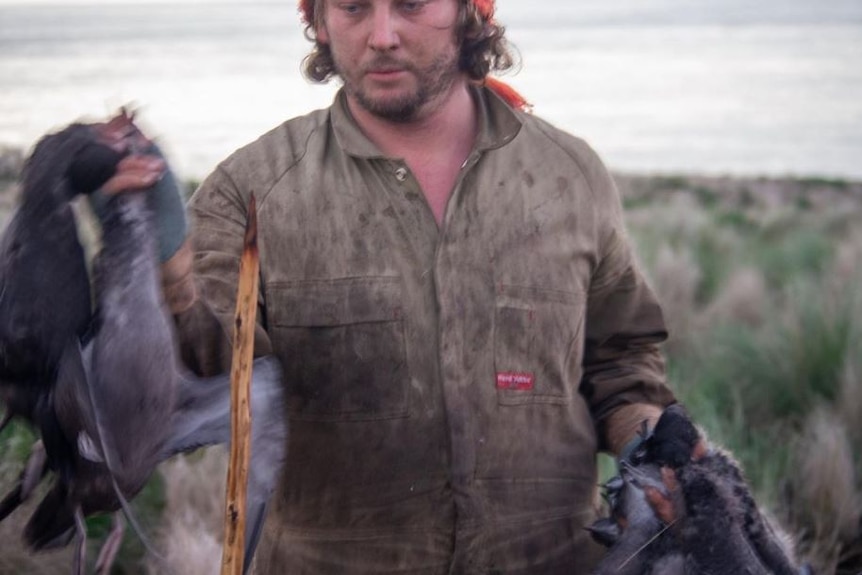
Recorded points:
(727, 86)
(734, 129)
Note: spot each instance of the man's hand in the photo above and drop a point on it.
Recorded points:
(135, 172)
(672, 443)
(142, 168)
(626, 424)
(139, 167)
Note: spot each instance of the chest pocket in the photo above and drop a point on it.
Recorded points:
(537, 344)
(342, 346)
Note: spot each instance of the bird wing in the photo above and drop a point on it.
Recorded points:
(202, 418)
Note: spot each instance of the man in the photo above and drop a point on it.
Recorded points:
(447, 282)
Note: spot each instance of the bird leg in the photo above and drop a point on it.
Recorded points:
(33, 472)
(80, 560)
(7, 417)
(111, 546)
(35, 469)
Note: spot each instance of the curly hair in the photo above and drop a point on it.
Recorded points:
(483, 45)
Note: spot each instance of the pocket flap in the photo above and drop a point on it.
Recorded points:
(342, 301)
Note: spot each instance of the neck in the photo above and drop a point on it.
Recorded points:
(446, 123)
(434, 145)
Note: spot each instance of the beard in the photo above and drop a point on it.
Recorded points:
(431, 81)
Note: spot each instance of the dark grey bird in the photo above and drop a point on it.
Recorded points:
(111, 403)
(682, 507)
(44, 286)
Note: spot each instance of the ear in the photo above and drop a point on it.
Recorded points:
(320, 31)
(314, 13)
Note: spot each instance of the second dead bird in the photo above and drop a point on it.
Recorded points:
(682, 507)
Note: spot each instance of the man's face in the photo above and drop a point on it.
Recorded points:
(396, 58)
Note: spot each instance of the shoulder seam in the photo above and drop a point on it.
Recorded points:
(296, 159)
(542, 127)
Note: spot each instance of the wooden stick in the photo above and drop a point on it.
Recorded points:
(240, 411)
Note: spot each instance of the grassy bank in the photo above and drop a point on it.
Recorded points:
(758, 280)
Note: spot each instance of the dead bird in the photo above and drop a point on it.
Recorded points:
(44, 285)
(114, 396)
(682, 507)
(111, 403)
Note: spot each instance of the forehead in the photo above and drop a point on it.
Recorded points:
(315, 7)
(441, 14)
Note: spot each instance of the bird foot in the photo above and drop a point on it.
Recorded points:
(111, 546)
(80, 561)
(33, 472)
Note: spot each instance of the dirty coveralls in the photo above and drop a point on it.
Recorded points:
(446, 387)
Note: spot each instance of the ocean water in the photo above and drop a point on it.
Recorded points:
(725, 86)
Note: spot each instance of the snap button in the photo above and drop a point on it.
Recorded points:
(401, 174)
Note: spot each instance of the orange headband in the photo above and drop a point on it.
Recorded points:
(485, 8)
(486, 11)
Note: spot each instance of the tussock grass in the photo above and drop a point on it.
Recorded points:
(676, 276)
(744, 300)
(189, 538)
(825, 502)
(15, 443)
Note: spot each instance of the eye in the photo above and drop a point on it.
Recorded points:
(351, 8)
(639, 456)
(412, 6)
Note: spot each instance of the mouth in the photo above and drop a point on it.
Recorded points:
(385, 73)
(385, 70)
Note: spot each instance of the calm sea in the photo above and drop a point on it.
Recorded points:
(748, 87)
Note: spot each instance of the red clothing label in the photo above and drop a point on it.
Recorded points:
(515, 380)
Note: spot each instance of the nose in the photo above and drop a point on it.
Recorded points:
(383, 35)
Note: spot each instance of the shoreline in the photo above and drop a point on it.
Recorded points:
(743, 192)
(636, 188)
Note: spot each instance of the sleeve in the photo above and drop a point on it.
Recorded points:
(218, 212)
(623, 370)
